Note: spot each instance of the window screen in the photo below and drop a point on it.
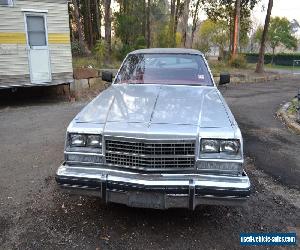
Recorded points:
(36, 31)
(7, 2)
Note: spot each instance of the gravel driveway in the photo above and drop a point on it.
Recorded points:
(34, 214)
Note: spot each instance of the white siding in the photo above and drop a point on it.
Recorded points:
(12, 19)
(61, 58)
(13, 60)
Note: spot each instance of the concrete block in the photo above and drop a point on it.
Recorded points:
(84, 83)
(96, 81)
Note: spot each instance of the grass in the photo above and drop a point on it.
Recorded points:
(269, 66)
(83, 62)
(292, 110)
(218, 67)
(91, 61)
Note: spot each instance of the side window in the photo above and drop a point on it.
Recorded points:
(9, 3)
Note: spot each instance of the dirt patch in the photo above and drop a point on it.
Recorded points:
(5, 224)
(90, 93)
(290, 195)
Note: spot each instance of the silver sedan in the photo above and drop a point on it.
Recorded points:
(160, 136)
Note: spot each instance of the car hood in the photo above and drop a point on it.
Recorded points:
(158, 104)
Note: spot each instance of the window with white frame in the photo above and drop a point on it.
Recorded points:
(9, 3)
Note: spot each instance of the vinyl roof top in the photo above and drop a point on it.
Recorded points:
(167, 51)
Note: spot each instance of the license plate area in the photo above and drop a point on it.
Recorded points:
(146, 199)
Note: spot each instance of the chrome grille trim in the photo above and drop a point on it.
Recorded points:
(150, 155)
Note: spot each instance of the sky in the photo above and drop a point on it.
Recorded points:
(282, 8)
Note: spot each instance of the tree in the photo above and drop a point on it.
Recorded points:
(185, 15)
(79, 28)
(160, 23)
(88, 24)
(236, 33)
(175, 13)
(224, 10)
(195, 17)
(97, 17)
(148, 24)
(107, 23)
(280, 33)
(258, 34)
(129, 25)
(261, 57)
(212, 34)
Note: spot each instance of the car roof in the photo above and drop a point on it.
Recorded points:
(167, 51)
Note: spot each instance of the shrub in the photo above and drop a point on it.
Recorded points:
(293, 107)
(99, 50)
(124, 50)
(76, 49)
(140, 43)
(203, 46)
(284, 59)
(238, 61)
(217, 67)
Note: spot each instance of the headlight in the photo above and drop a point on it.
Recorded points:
(225, 146)
(85, 140)
(230, 146)
(94, 141)
(210, 146)
(77, 140)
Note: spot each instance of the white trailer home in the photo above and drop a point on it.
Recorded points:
(35, 47)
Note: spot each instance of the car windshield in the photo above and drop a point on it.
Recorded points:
(187, 69)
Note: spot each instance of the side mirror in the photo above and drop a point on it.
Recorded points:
(107, 76)
(224, 78)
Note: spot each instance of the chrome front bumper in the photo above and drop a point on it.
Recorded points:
(153, 190)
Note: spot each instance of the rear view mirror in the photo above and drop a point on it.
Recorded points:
(224, 78)
(107, 76)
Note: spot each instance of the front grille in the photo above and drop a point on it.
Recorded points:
(148, 155)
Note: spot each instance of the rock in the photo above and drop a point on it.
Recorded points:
(85, 73)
